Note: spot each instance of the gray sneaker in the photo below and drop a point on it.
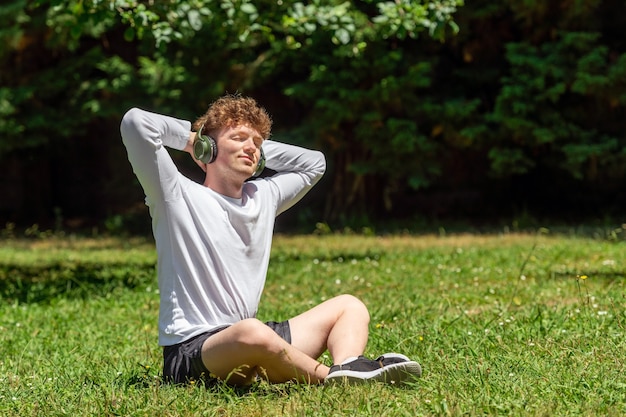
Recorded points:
(391, 368)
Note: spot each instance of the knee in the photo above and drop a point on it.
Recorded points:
(255, 333)
(354, 306)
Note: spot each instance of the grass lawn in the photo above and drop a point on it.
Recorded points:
(509, 324)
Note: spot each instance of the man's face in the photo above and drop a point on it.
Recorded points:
(239, 147)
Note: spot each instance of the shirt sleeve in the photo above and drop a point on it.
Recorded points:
(297, 171)
(145, 136)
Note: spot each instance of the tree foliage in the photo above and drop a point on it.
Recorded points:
(553, 106)
(92, 55)
(73, 63)
(409, 99)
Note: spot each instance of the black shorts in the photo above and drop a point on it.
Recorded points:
(182, 362)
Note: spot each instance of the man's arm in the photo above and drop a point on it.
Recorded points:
(145, 136)
(297, 170)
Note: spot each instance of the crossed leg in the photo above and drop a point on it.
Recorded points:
(339, 325)
(249, 347)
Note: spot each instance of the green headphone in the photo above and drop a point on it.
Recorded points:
(205, 150)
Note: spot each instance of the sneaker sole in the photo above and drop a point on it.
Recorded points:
(397, 373)
(393, 355)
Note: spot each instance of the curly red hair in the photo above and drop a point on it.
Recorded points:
(232, 110)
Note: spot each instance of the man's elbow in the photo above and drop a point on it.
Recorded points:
(321, 162)
(320, 165)
(130, 121)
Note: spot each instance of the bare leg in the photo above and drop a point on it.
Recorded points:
(249, 347)
(339, 325)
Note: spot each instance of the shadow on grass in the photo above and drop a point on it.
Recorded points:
(43, 283)
(592, 275)
(147, 377)
(143, 376)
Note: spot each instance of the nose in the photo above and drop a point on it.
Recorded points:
(250, 147)
(249, 143)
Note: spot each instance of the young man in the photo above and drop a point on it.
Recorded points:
(213, 242)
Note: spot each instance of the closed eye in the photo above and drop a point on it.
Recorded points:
(242, 137)
(257, 141)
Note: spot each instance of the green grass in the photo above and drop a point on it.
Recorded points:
(508, 324)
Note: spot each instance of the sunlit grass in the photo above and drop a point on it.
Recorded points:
(502, 325)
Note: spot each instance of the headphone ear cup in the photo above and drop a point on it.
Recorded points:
(204, 147)
(260, 166)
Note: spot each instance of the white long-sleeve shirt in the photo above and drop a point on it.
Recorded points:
(213, 250)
